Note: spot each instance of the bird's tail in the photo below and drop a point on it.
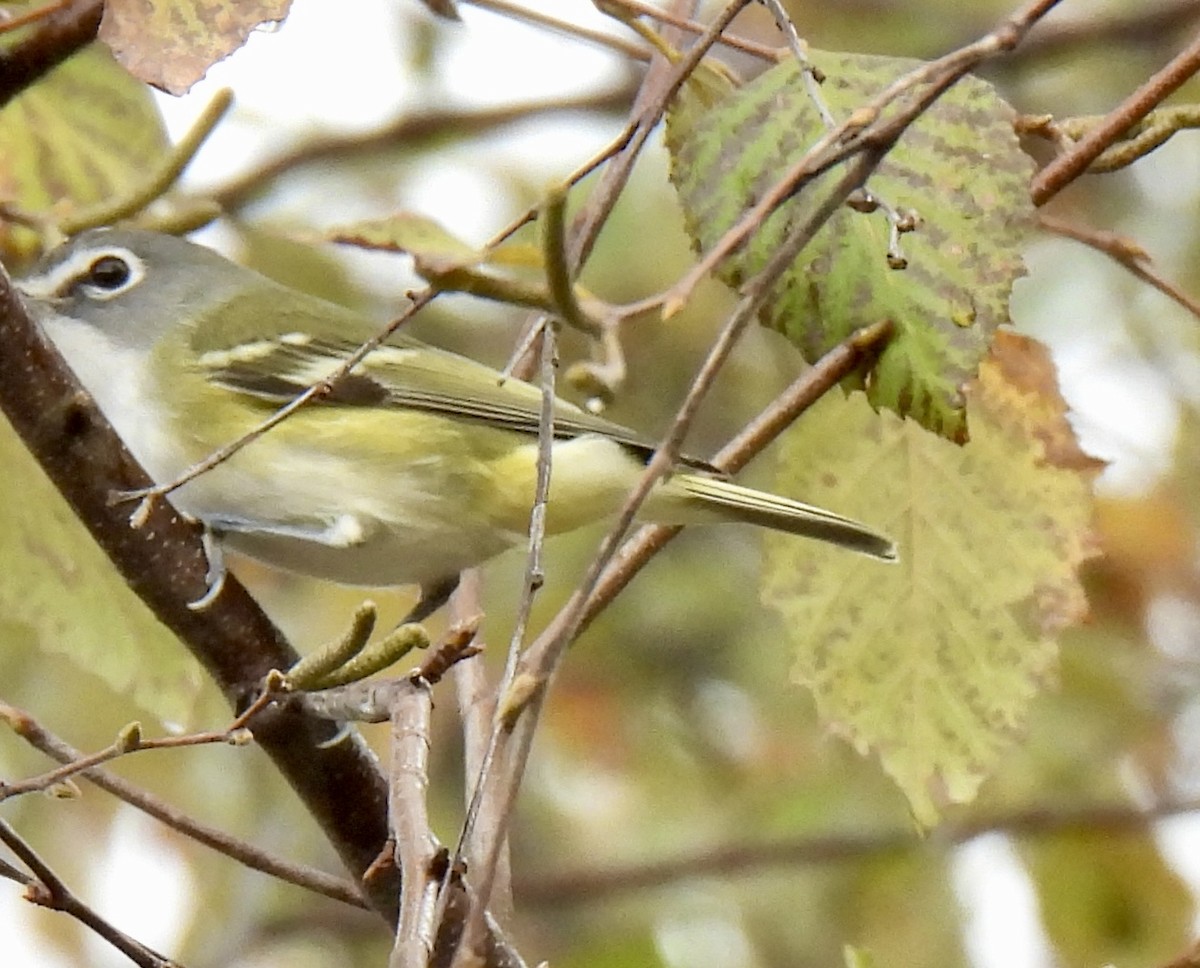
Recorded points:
(695, 498)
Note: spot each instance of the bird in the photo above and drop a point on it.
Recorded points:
(418, 464)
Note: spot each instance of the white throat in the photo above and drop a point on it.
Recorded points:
(118, 378)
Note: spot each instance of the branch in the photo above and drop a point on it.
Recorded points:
(1071, 164)
(47, 890)
(416, 847)
(30, 730)
(743, 859)
(827, 372)
(59, 35)
(409, 132)
(1144, 23)
(1126, 253)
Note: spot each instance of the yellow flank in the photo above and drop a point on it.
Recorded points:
(590, 476)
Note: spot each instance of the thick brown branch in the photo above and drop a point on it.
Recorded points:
(56, 38)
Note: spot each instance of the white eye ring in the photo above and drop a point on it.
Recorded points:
(110, 273)
(76, 274)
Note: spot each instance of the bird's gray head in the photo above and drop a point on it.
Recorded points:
(129, 284)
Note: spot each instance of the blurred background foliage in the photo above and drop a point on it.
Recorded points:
(673, 735)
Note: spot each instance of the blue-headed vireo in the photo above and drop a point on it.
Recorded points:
(419, 464)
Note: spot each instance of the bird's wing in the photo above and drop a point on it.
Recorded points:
(407, 374)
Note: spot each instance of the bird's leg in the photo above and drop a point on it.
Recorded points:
(214, 577)
(432, 598)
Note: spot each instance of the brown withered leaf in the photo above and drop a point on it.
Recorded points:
(172, 43)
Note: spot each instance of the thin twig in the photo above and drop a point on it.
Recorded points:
(520, 713)
(559, 275)
(861, 127)
(167, 173)
(416, 847)
(509, 773)
(549, 890)
(826, 373)
(408, 131)
(129, 740)
(37, 736)
(148, 496)
(656, 94)
(536, 18)
(475, 695)
(47, 889)
(690, 26)
(1149, 24)
(1068, 166)
(1127, 253)
(812, 77)
(483, 833)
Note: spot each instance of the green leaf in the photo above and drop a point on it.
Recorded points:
(62, 587)
(932, 663)
(959, 167)
(83, 134)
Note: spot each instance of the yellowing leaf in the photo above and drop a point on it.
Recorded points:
(958, 167)
(932, 663)
(433, 247)
(82, 134)
(172, 43)
(59, 584)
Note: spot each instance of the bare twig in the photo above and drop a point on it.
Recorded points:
(747, 859)
(831, 368)
(30, 730)
(167, 173)
(690, 26)
(483, 833)
(923, 86)
(812, 77)
(47, 890)
(409, 130)
(1126, 253)
(1149, 24)
(536, 18)
(130, 741)
(620, 45)
(1070, 165)
(656, 93)
(475, 695)
(150, 496)
(415, 845)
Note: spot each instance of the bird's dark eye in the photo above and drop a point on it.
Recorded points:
(109, 272)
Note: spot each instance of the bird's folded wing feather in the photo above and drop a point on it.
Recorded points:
(406, 374)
